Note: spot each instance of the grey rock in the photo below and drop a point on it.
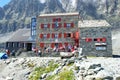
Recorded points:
(43, 76)
(96, 70)
(117, 77)
(56, 71)
(63, 63)
(91, 72)
(104, 75)
(70, 61)
(90, 77)
(7, 61)
(93, 66)
(9, 78)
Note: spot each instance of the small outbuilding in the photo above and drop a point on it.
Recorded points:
(20, 39)
(95, 38)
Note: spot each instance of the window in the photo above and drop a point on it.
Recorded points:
(44, 35)
(56, 35)
(56, 24)
(68, 34)
(68, 25)
(101, 46)
(7, 44)
(95, 39)
(45, 26)
(13, 44)
(88, 39)
(56, 19)
(17, 44)
(100, 39)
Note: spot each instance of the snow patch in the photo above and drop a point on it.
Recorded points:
(42, 1)
(73, 2)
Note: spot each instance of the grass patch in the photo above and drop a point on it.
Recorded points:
(30, 65)
(64, 75)
(70, 64)
(40, 70)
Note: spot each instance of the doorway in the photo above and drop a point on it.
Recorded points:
(29, 46)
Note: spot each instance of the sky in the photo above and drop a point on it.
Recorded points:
(4, 2)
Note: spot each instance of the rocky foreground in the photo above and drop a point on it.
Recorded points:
(41, 68)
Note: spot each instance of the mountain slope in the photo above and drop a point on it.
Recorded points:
(17, 13)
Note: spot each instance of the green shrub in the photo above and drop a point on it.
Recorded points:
(64, 75)
(51, 77)
(40, 70)
(30, 65)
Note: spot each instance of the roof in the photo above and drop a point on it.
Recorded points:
(93, 23)
(58, 14)
(5, 37)
(20, 35)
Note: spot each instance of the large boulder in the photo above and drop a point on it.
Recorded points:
(104, 75)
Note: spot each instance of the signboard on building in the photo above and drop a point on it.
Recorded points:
(33, 28)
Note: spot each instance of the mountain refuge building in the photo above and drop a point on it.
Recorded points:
(67, 30)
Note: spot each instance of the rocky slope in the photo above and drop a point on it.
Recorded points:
(17, 14)
(36, 68)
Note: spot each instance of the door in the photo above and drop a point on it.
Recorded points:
(29, 46)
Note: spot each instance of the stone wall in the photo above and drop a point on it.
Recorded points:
(89, 48)
(49, 20)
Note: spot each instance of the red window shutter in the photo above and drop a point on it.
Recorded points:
(88, 39)
(59, 19)
(71, 35)
(60, 25)
(54, 19)
(52, 45)
(98, 39)
(42, 25)
(48, 35)
(60, 44)
(48, 25)
(66, 44)
(53, 35)
(77, 35)
(53, 25)
(41, 35)
(65, 25)
(72, 24)
(42, 45)
(65, 35)
(103, 39)
(60, 35)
